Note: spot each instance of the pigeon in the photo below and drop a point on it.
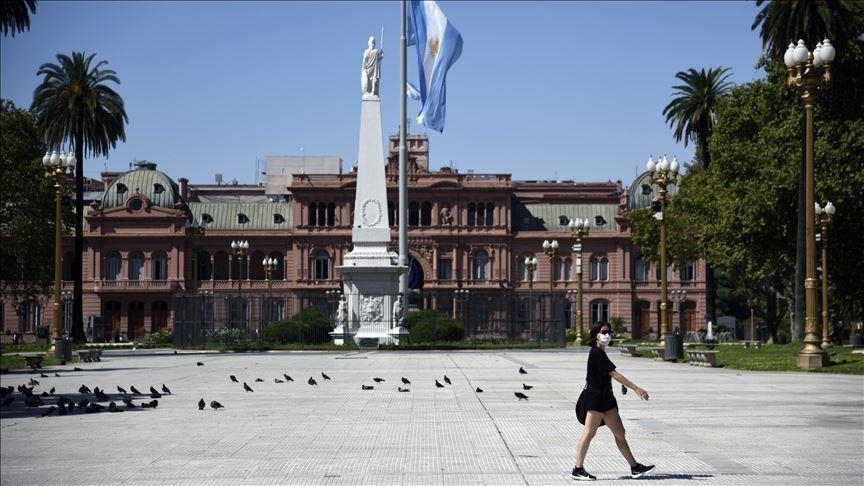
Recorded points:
(479, 390)
(277, 380)
(62, 409)
(522, 371)
(165, 389)
(84, 390)
(33, 382)
(324, 375)
(43, 375)
(405, 381)
(153, 390)
(57, 374)
(234, 379)
(247, 387)
(71, 406)
(128, 402)
(527, 387)
(287, 378)
(521, 396)
(83, 403)
(367, 387)
(50, 411)
(135, 390)
(112, 407)
(77, 369)
(43, 394)
(101, 395)
(121, 390)
(8, 401)
(216, 405)
(200, 363)
(404, 389)
(201, 404)
(447, 380)
(152, 404)
(259, 380)
(312, 381)
(378, 380)
(438, 384)
(623, 390)
(51, 391)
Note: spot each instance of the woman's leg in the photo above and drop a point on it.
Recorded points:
(592, 422)
(613, 421)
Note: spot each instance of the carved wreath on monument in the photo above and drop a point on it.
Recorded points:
(372, 309)
(370, 212)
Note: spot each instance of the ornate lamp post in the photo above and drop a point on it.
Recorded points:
(663, 173)
(578, 229)
(194, 231)
(238, 252)
(56, 167)
(678, 296)
(824, 218)
(530, 267)
(550, 248)
(810, 71)
(270, 265)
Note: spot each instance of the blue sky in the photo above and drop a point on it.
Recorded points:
(543, 90)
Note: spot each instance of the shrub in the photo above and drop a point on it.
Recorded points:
(165, 337)
(309, 324)
(430, 325)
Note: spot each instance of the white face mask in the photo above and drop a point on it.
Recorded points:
(605, 339)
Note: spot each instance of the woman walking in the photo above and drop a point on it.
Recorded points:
(602, 406)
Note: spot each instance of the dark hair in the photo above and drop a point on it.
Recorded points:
(595, 330)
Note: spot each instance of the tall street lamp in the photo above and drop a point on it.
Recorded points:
(270, 265)
(824, 218)
(56, 167)
(238, 252)
(810, 71)
(530, 267)
(663, 173)
(194, 231)
(678, 297)
(550, 248)
(579, 229)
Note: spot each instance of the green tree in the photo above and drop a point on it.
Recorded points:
(26, 223)
(15, 15)
(75, 107)
(692, 113)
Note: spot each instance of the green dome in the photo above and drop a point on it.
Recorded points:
(146, 181)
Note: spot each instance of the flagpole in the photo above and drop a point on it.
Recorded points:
(403, 163)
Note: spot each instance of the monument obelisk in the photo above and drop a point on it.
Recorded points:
(370, 272)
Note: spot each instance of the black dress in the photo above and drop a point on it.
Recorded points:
(598, 394)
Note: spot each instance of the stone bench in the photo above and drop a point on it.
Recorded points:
(629, 350)
(33, 360)
(90, 355)
(702, 357)
(755, 344)
(659, 354)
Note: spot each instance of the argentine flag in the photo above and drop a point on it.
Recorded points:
(439, 45)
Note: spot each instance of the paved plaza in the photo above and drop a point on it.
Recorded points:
(701, 426)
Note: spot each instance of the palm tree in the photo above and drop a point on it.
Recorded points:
(15, 15)
(841, 21)
(692, 113)
(784, 22)
(73, 104)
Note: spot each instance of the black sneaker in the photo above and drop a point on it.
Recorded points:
(640, 470)
(580, 474)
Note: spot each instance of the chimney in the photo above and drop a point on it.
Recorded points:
(184, 188)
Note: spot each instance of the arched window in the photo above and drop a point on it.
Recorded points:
(599, 311)
(313, 214)
(568, 270)
(331, 214)
(159, 316)
(114, 266)
(641, 269)
(160, 266)
(413, 213)
(481, 265)
(205, 266)
(136, 266)
(481, 213)
(557, 269)
(322, 214)
(490, 214)
(521, 270)
(221, 266)
(136, 320)
(111, 323)
(472, 214)
(688, 272)
(599, 270)
(321, 265)
(426, 214)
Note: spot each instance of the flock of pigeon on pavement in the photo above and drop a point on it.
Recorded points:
(94, 399)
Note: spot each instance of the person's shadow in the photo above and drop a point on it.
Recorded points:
(665, 477)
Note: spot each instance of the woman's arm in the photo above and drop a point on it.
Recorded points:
(643, 394)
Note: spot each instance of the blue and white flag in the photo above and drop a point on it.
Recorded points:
(412, 91)
(439, 45)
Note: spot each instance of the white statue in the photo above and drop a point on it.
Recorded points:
(398, 311)
(371, 72)
(342, 311)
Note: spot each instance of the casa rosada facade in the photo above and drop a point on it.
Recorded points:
(150, 240)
